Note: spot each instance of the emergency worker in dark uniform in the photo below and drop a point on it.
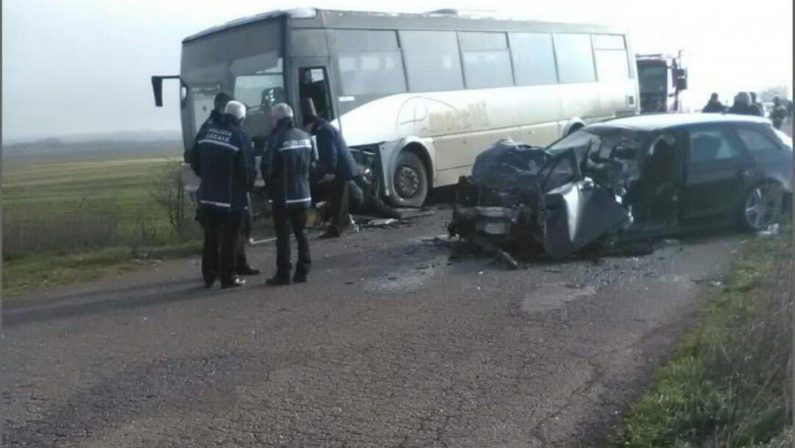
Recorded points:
(219, 104)
(334, 169)
(285, 168)
(224, 161)
(242, 267)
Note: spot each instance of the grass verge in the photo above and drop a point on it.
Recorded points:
(38, 272)
(729, 384)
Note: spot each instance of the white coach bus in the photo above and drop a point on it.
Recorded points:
(417, 96)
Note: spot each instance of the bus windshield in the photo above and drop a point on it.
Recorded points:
(246, 63)
(653, 78)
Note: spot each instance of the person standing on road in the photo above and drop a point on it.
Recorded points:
(219, 104)
(714, 105)
(760, 109)
(742, 105)
(335, 168)
(225, 164)
(778, 113)
(242, 266)
(285, 167)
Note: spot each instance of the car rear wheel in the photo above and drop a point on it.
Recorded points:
(761, 207)
(410, 181)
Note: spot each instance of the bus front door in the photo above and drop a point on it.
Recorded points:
(314, 92)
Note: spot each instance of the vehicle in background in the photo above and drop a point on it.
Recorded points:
(662, 81)
(632, 178)
(417, 96)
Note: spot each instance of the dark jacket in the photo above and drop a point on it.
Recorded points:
(225, 163)
(214, 118)
(714, 106)
(743, 109)
(285, 166)
(334, 157)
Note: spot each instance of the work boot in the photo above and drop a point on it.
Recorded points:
(278, 280)
(234, 283)
(247, 270)
(209, 279)
(299, 277)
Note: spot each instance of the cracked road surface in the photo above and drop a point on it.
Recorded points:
(390, 344)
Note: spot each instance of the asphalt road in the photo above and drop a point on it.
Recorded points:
(390, 344)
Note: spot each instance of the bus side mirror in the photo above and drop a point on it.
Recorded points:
(157, 88)
(681, 79)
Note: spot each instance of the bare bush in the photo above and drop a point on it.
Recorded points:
(169, 193)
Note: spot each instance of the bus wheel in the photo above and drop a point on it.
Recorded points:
(410, 181)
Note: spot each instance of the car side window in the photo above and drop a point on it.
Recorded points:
(755, 141)
(710, 145)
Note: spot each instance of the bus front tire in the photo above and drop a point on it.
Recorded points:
(409, 181)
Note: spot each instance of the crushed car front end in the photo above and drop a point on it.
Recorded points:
(530, 202)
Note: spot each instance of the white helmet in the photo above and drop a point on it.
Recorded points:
(281, 110)
(236, 109)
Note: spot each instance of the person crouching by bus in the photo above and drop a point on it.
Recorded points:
(335, 168)
(224, 162)
(285, 168)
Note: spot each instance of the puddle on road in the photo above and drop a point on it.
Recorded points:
(552, 296)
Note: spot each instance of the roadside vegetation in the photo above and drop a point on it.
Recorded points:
(72, 216)
(730, 382)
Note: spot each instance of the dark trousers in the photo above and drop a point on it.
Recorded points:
(338, 201)
(221, 233)
(245, 235)
(284, 220)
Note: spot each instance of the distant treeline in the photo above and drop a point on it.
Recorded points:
(81, 150)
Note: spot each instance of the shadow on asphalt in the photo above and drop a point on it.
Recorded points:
(117, 299)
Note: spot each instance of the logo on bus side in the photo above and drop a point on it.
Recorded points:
(474, 116)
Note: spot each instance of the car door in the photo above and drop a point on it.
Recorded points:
(715, 171)
(773, 159)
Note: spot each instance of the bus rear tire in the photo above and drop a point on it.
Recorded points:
(409, 181)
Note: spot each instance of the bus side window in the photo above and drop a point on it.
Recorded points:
(314, 86)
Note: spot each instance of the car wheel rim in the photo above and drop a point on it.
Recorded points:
(760, 207)
(407, 182)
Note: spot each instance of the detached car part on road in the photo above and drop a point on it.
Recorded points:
(631, 178)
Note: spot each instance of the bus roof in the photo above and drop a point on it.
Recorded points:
(437, 20)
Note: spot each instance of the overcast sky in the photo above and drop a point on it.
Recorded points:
(83, 66)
